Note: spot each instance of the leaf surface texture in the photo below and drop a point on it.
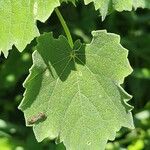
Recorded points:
(78, 90)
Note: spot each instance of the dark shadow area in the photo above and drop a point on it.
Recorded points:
(58, 55)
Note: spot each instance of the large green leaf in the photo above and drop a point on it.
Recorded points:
(78, 90)
(18, 21)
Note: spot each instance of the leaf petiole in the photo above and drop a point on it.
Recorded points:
(65, 27)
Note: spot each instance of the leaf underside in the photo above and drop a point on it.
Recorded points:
(78, 90)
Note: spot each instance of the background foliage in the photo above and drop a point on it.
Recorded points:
(133, 27)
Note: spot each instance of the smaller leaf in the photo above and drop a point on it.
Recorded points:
(106, 6)
(18, 21)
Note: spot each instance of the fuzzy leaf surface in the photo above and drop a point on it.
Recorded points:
(18, 21)
(78, 90)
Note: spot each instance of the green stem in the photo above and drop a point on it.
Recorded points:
(65, 27)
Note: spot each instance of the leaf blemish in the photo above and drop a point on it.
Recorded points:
(37, 118)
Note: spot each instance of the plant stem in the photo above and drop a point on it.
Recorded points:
(65, 27)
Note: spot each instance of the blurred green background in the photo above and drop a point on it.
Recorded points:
(134, 29)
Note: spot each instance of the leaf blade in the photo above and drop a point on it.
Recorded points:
(93, 106)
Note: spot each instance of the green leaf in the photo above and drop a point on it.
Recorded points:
(78, 90)
(141, 3)
(106, 6)
(18, 21)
